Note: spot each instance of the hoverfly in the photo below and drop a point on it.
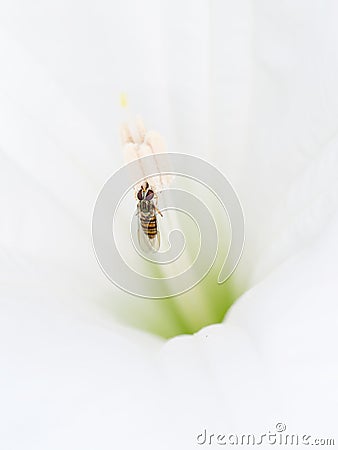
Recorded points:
(148, 232)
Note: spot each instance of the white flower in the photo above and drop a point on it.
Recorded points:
(252, 88)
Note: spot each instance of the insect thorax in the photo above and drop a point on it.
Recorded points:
(146, 207)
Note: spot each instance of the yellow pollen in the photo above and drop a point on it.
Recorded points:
(123, 100)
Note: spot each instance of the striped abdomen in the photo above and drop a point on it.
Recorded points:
(149, 225)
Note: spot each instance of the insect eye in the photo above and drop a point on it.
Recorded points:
(140, 194)
(150, 195)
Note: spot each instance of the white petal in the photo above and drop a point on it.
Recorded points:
(73, 383)
(274, 122)
(272, 360)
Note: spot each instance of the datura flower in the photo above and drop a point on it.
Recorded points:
(250, 88)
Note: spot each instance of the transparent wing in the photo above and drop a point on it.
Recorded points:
(156, 242)
(143, 240)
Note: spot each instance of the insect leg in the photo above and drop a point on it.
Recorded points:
(158, 211)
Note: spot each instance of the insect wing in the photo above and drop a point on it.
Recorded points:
(142, 239)
(155, 242)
